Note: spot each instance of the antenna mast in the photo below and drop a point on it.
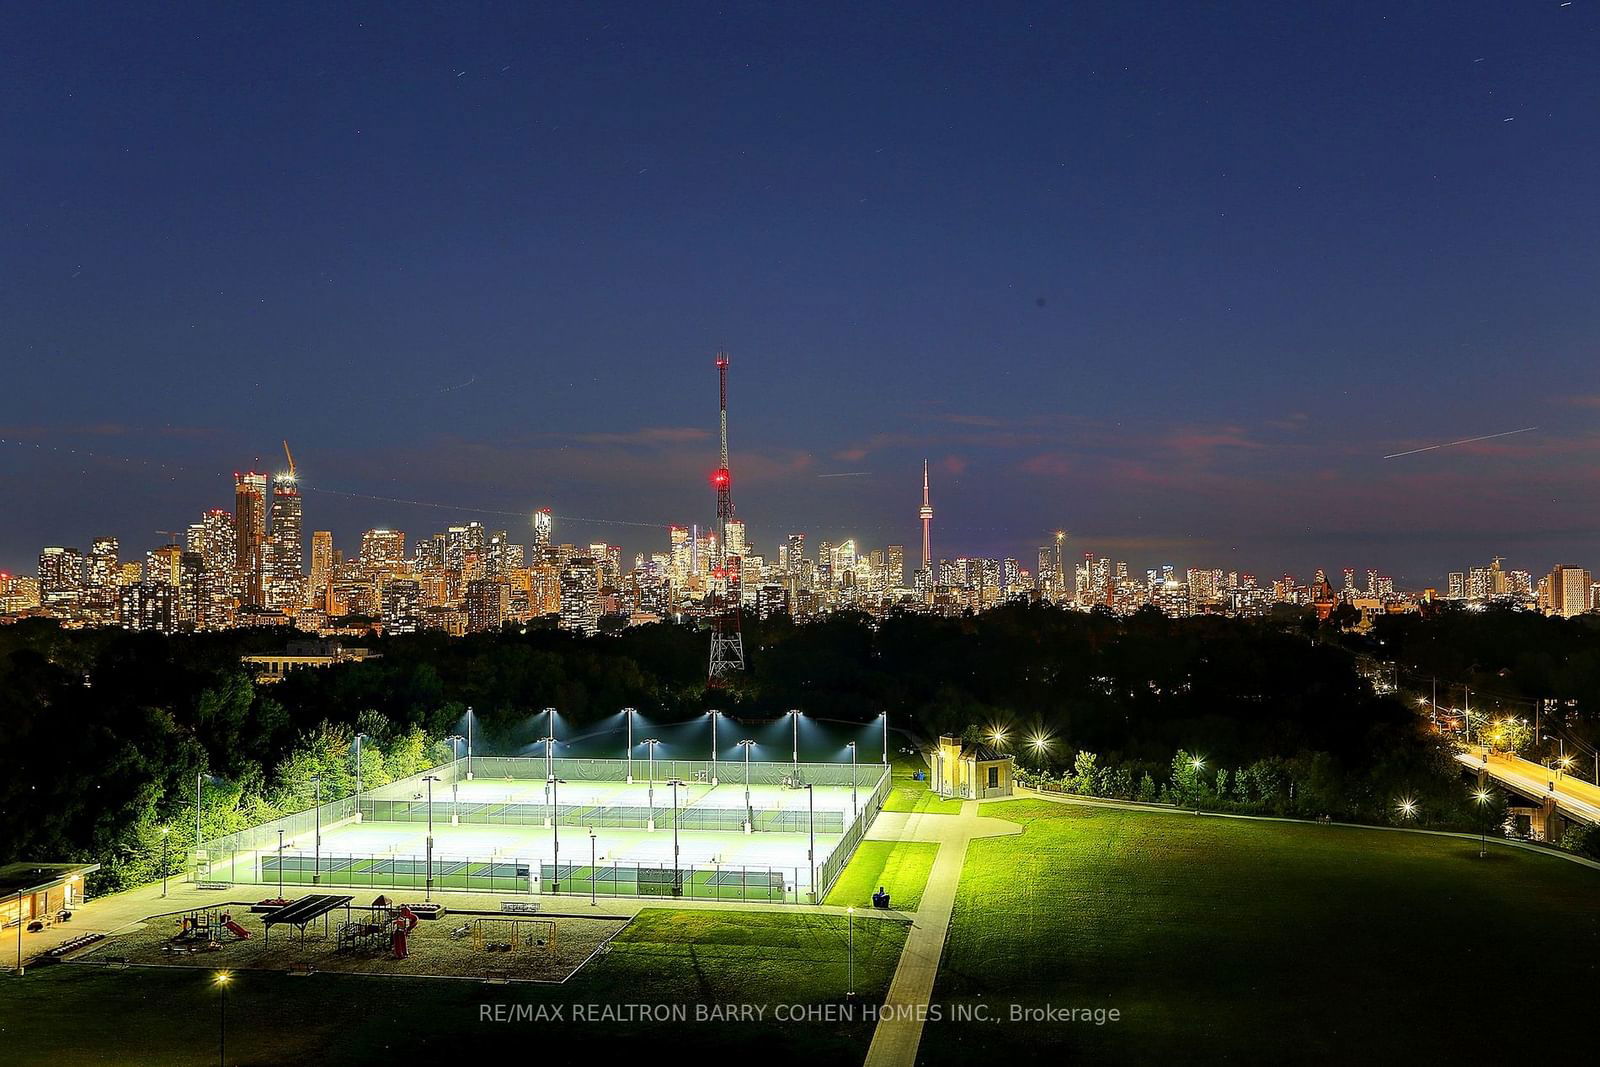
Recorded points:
(727, 643)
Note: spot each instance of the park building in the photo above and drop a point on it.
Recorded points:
(971, 769)
(36, 895)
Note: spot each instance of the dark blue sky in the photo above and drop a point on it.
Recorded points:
(1171, 276)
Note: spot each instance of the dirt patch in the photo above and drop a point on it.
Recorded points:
(436, 948)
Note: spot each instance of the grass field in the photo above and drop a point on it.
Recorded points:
(900, 867)
(78, 1013)
(1261, 942)
(916, 796)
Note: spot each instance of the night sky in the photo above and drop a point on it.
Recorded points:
(1171, 276)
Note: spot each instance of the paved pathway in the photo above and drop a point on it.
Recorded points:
(895, 1041)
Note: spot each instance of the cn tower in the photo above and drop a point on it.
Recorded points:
(926, 513)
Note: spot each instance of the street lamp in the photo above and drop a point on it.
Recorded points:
(1482, 797)
(749, 812)
(630, 713)
(650, 768)
(1407, 808)
(166, 832)
(316, 844)
(222, 979)
(997, 736)
(1196, 764)
(428, 891)
(1040, 744)
(853, 811)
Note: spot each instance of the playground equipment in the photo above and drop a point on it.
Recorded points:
(387, 925)
(211, 925)
(504, 934)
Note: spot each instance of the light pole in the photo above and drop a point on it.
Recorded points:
(853, 811)
(811, 850)
(592, 902)
(629, 712)
(884, 715)
(749, 813)
(650, 769)
(1482, 797)
(428, 890)
(1196, 764)
(199, 780)
(677, 877)
(469, 743)
(280, 865)
(223, 977)
(316, 843)
(555, 831)
(166, 832)
(713, 716)
(795, 715)
(359, 738)
(850, 936)
(549, 751)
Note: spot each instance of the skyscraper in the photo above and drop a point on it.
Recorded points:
(250, 535)
(287, 574)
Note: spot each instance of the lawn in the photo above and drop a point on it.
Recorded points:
(900, 867)
(80, 1013)
(1259, 941)
(916, 796)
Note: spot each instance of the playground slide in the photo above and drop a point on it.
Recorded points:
(237, 931)
(410, 918)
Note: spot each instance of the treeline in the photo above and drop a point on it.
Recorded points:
(106, 730)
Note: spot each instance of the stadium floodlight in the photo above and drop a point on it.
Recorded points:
(853, 810)
(749, 812)
(549, 742)
(713, 716)
(630, 713)
(794, 714)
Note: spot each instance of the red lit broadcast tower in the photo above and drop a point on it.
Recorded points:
(727, 644)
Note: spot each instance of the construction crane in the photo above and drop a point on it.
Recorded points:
(290, 457)
(727, 644)
(172, 535)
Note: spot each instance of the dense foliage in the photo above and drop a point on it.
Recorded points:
(106, 730)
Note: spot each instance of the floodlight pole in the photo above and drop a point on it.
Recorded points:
(677, 878)
(316, 844)
(166, 832)
(885, 717)
(850, 938)
(455, 803)
(430, 779)
(629, 712)
(280, 864)
(811, 852)
(749, 813)
(469, 743)
(854, 812)
(199, 777)
(795, 715)
(359, 738)
(713, 715)
(650, 769)
(555, 831)
(592, 902)
(550, 767)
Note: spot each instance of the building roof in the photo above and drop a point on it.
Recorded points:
(979, 751)
(28, 878)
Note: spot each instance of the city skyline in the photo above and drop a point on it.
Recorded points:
(452, 263)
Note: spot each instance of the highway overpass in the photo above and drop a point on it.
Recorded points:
(1552, 793)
